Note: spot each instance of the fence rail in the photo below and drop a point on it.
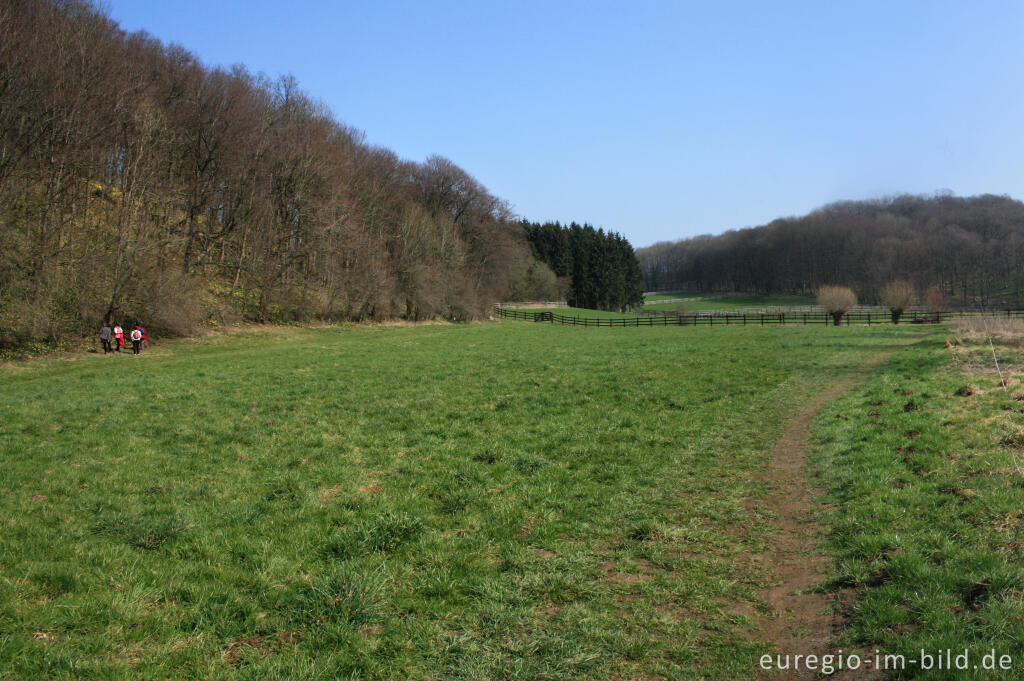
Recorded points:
(798, 318)
(773, 309)
(535, 303)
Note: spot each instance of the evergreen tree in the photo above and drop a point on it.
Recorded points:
(602, 267)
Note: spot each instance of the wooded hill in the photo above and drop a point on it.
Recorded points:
(972, 248)
(139, 185)
(600, 269)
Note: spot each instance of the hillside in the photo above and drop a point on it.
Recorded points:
(138, 184)
(973, 248)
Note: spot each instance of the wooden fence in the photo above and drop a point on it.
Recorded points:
(807, 318)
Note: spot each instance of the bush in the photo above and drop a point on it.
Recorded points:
(837, 300)
(898, 296)
(935, 300)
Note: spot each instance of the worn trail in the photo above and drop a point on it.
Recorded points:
(801, 622)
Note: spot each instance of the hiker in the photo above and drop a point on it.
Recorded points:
(105, 335)
(145, 341)
(136, 340)
(118, 337)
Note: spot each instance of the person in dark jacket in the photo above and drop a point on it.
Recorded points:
(105, 335)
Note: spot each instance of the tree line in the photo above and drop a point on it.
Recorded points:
(599, 269)
(971, 248)
(138, 184)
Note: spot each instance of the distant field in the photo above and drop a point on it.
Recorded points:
(692, 303)
(582, 312)
(664, 296)
(719, 301)
(488, 501)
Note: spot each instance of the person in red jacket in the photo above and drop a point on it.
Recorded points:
(118, 337)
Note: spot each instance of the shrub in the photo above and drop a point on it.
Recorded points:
(935, 300)
(837, 300)
(898, 296)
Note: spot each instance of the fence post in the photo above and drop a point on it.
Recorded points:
(762, 319)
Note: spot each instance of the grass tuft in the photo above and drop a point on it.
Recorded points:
(348, 595)
(383, 533)
(148, 532)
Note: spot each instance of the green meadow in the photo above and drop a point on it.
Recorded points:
(719, 301)
(924, 464)
(487, 501)
(582, 312)
(691, 303)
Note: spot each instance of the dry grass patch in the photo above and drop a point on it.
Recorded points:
(329, 493)
(1005, 330)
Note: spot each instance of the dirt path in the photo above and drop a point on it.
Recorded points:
(800, 622)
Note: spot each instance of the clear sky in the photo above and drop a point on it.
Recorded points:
(659, 120)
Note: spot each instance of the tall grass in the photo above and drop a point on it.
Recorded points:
(1000, 328)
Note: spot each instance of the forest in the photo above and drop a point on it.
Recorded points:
(138, 184)
(970, 247)
(599, 268)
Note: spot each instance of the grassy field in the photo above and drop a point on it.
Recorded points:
(925, 463)
(664, 296)
(492, 501)
(582, 312)
(720, 301)
(693, 303)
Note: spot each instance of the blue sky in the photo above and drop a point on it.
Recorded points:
(659, 120)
